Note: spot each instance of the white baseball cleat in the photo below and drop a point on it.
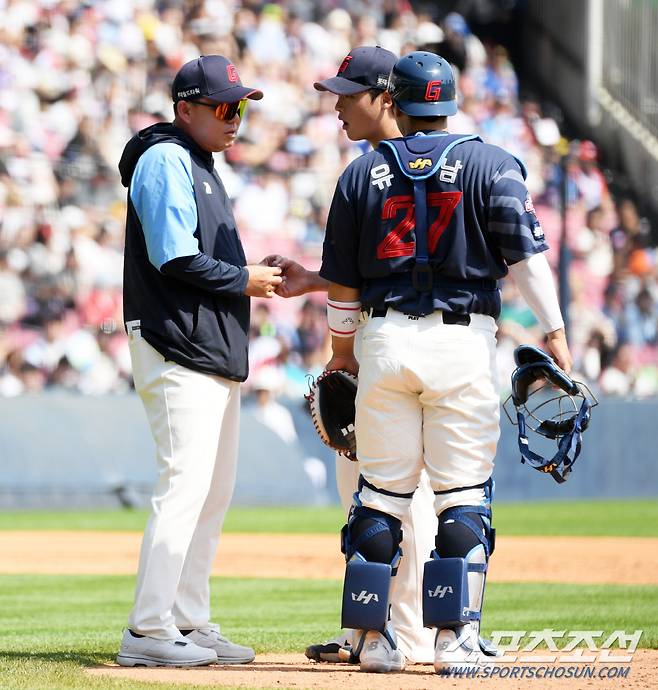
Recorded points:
(457, 648)
(227, 652)
(149, 651)
(378, 655)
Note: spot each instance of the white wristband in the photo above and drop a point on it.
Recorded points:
(343, 318)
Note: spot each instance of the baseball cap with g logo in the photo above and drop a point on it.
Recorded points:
(213, 77)
(364, 68)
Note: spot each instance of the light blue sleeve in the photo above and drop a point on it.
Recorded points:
(162, 192)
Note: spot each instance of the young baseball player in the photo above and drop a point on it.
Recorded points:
(365, 109)
(186, 309)
(420, 231)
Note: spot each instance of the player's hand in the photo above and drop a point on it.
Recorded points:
(296, 279)
(274, 260)
(557, 344)
(347, 362)
(263, 280)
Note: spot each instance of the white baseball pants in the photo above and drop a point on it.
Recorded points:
(427, 399)
(427, 415)
(194, 420)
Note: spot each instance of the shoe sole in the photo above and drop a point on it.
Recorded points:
(379, 667)
(446, 667)
(151, 662)
(234, 660)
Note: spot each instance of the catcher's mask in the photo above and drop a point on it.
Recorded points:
(561, 415)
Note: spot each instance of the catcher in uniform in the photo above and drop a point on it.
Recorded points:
(365, 109)
(420, 231)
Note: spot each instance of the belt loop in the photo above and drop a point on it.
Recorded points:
(375, 312)
(133, 329)
(451, 318)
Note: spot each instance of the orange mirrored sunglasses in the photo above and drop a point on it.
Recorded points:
(226, 111)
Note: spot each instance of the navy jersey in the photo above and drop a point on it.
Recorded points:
(480, 219)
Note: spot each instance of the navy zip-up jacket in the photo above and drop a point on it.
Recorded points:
(184, 275)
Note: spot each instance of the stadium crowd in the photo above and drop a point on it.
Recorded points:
(77, 79)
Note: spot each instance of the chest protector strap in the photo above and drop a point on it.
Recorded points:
(419, 157)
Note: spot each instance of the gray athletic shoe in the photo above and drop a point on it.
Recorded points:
(337, 650)
(227, 652)
(459, 647)
(149, 651)
(379, 656)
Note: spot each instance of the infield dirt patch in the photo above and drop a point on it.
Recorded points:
(577, 560)
(295, 671)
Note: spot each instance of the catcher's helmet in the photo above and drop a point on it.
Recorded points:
(422, 85)
(557, 408)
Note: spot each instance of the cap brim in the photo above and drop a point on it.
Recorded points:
(340, 86)
(427, 109)
(236, 93)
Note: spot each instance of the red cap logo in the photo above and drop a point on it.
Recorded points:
(344, 63)
(433, 90)
(232, 73)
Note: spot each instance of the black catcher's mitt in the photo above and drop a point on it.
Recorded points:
(331, 401)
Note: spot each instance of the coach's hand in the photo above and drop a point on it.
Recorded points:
(296, 279)
(263, 280)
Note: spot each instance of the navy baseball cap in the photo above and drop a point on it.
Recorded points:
(213, 77)
(363, 68)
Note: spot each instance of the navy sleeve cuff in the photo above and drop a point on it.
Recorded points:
(208, 274)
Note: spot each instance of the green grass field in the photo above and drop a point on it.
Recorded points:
(637, 518)
(54, 626)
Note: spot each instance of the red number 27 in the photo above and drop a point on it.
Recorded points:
(393, 245)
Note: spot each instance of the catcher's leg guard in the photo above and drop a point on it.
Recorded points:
(371, 544)
(453, 585)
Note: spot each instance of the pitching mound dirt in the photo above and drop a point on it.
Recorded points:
(295, 671)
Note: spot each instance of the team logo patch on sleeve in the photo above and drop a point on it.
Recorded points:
(529, 206)
(537, 231)
(420, 163)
